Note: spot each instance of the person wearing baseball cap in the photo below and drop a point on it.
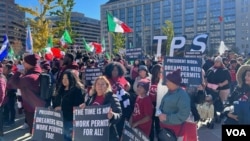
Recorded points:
(27, 81)
(175, 105)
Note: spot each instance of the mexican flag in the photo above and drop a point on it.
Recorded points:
(53, 52)
(97, 47)
(65, 39)
(115, 25)
(48, 54)
(87, 46)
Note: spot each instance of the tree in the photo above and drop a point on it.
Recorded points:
(40, 29)
(65, 15)
(168, 30)
(118, 42)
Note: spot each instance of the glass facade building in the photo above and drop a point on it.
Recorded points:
(223, 20)
(12, 21)
(84, 27)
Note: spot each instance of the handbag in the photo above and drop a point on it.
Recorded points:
(166, 134)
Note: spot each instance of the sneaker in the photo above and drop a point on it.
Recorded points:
(25, 126)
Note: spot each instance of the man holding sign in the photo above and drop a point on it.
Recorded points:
(101, 94)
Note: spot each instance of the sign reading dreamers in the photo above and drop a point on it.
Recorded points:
(190, 69)
(48, 125)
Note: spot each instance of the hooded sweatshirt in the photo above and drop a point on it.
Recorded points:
(29, 87)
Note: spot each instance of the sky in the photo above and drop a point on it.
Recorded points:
(90, 8)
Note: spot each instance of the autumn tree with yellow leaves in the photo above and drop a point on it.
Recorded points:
(118, 42)
(41, 28)
(64, 12)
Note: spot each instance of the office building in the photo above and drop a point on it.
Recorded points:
(223, 20)
(84, 27)
(12, 21)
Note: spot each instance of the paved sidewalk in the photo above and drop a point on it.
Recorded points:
(206, 134)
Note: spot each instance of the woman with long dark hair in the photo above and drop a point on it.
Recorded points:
(68, 96)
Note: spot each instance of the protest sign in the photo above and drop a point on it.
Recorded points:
(178, 44)
(91, 123)
(91, 74)
(193, 54)
(133, 134)
(48, 125)
(133, 53)
(190, 69)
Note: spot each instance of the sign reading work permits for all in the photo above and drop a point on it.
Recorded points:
(191, 71)
(48, 125)
(91, 123)
(92, 73)
(133, 53)
(132, 134)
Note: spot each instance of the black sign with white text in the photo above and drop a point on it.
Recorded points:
(91, 74)
(190, 70)
(133, 53)
(132, 134)
(193, 54)
(48, 125)
(91, 123)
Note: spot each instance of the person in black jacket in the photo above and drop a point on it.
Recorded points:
(238, 109)
(9, 108)
(68, 96)
(101, 94)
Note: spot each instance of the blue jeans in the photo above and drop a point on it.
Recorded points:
(67, 133)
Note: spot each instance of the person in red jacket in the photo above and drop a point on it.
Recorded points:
(3, 97)
(143, 110)
(27, 81)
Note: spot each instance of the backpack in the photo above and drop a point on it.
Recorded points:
(45, 85)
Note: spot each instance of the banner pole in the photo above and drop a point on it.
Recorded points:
(110, 44)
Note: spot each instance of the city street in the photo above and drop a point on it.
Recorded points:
(15, 133)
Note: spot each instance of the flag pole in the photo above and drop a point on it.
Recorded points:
(110, 45)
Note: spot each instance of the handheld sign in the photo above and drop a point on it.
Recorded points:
(91, 123)
(132, 134)
(91, 74)
(190, 70)
(48, 125)
(133, 53)
(193, 54)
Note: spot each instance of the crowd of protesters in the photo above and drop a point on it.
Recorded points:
(130, 89)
